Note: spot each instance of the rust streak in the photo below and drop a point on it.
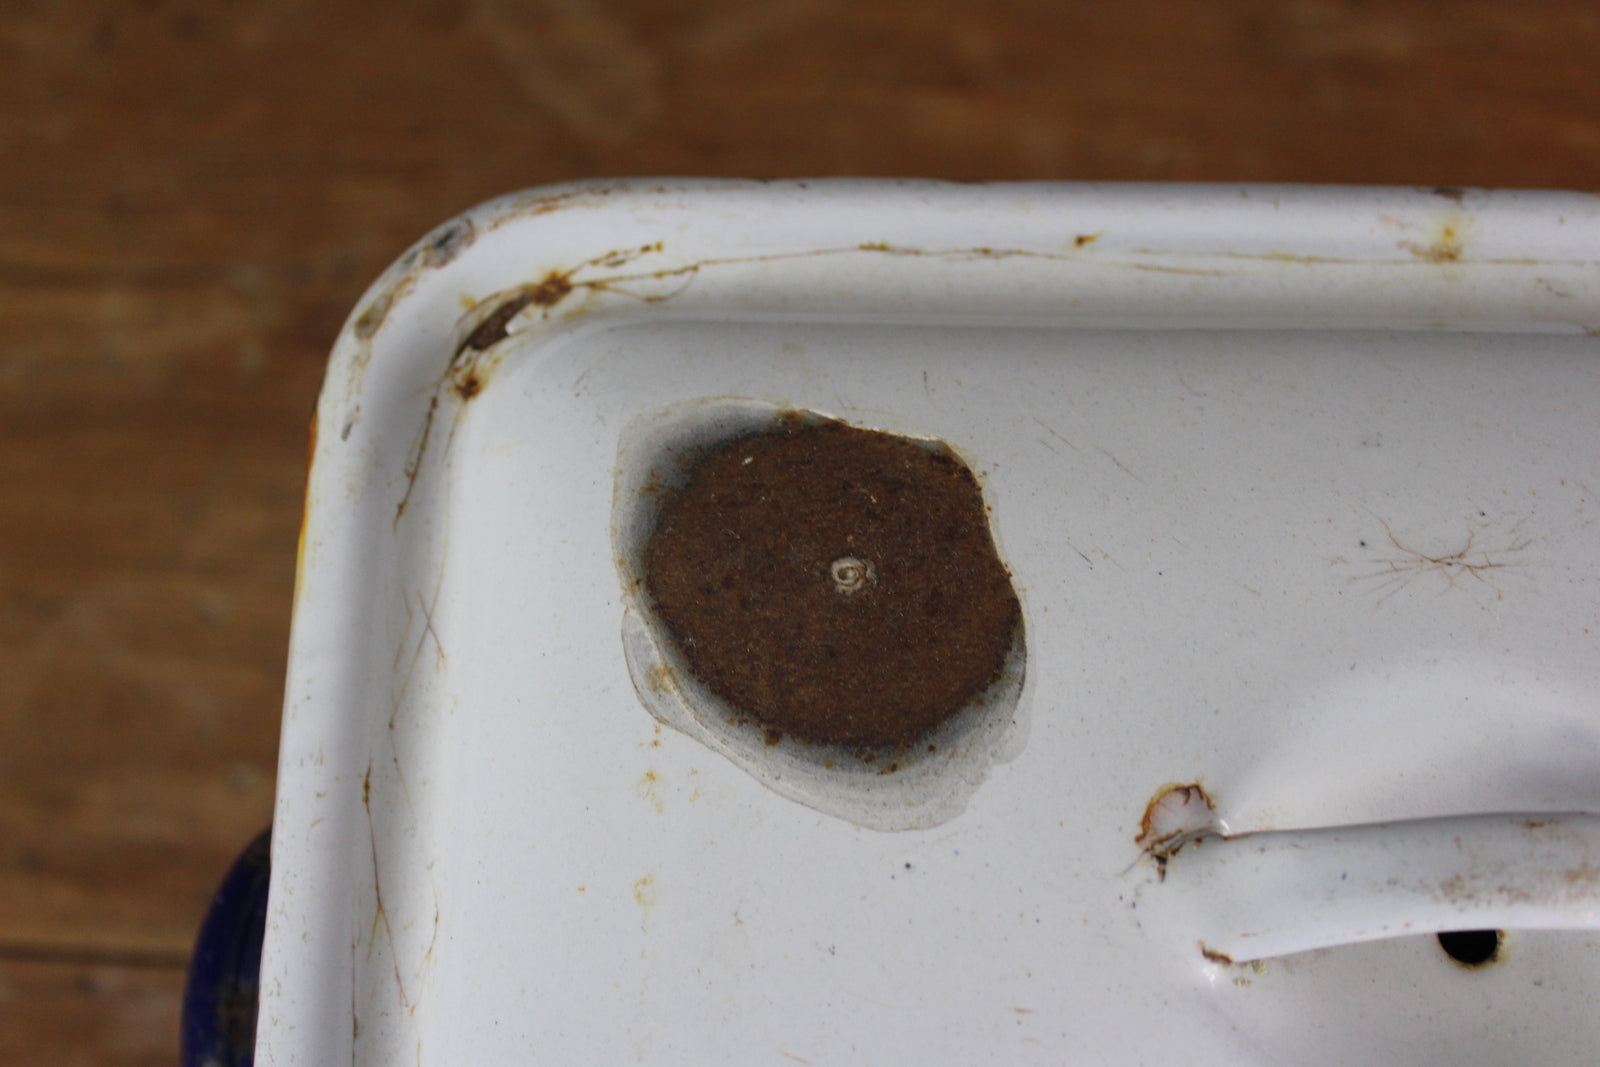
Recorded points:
(1416, 249)
(1213, 955)
(414, 463)
(380, 914)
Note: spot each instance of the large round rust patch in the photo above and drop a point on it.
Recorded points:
(834, 584)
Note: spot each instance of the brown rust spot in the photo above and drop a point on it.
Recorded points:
(1155, 826)
(753, 571)
(492, 330)
(1213, 955)
(1085, 239)
(1176, 815)
(546, 293)
(1446, 248)
(550, 291)
(468, 385)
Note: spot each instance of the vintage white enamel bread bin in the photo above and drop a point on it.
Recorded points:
(1294, 489)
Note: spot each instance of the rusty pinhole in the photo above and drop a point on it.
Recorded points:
(1472, 948)
(834, 584)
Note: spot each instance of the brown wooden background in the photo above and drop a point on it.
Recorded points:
(192, 195)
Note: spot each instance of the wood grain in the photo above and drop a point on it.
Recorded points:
(88, 1015)
(191, 197)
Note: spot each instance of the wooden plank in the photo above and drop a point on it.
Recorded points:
(88, 1015)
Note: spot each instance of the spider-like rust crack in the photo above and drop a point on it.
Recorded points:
(1472, 559)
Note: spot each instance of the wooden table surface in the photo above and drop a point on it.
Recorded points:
(192, 196)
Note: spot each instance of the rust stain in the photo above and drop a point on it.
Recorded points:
(547, 203)
(463, 378)
(1213, 955)
(1084, 239)
(1446, 248)
(1159, 268)
(355, 1018)
(492, 330)
(659, 678)
(1587, 874)
(380, 914)
(1176, 815)
(1168, 798)
(547, 292)
(433, 253)
(544, 205)
(644, 895)
(1418, 250)
(648, 789)
(414, 462)
(1469, 560)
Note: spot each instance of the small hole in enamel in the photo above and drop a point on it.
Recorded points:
(1471, 948)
